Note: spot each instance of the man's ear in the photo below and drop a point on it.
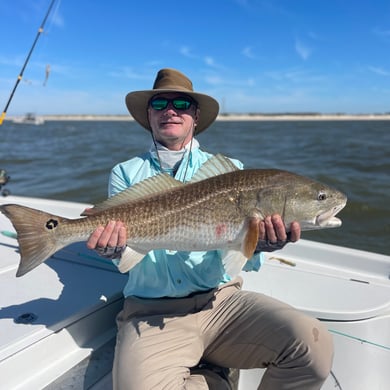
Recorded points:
(197, 116)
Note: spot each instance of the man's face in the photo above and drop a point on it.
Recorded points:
(173, 119)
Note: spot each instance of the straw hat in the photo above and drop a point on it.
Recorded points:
(171, 80)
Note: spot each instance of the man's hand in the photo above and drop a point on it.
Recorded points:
(109, 241)
(273, 235)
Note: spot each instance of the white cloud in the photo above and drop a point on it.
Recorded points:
(379, 71)
(209, 61)
(11, 61)
(218, 80)
(381, 32)
(303, 50)
(248, 52)
(295, 75)
(214, 80)
(129, 73)
(186, 52)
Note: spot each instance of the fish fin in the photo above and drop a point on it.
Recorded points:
(215, 165)
(152, 185)
(129, 259)
(233, 261)
(251, 237)
(36, 235)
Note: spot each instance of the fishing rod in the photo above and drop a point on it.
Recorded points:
(40, 30)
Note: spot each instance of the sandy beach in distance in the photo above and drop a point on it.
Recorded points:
(225, 117)
(300, 117)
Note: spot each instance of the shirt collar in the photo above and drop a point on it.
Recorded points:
(171, 158)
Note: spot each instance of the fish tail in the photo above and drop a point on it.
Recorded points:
(37, 235)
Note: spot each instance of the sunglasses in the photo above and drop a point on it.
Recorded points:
(180, 103)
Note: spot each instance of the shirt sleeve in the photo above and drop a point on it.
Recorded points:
(254, 263)
(117, 181)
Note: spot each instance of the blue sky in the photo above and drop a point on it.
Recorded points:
(266, 56)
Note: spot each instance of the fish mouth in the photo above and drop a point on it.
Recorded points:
(328, 219)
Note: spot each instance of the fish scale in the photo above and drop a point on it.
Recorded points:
(180, 214)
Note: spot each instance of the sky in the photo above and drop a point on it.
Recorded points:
(253, 56)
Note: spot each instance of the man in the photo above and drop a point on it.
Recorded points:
(183, 316)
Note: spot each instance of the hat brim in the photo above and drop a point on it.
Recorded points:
(137, 104)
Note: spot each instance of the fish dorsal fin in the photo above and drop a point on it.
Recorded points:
(214, 166)
(147, 187)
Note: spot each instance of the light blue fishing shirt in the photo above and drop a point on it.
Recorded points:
(165, 273)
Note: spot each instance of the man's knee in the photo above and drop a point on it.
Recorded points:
(321, 351)
(315, 351)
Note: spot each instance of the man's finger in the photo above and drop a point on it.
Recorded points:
(94, 237)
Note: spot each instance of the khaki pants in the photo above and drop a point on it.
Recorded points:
(160, 340)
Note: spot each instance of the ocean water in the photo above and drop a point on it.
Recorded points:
(71, 160)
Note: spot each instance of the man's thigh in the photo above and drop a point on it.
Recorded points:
(251, 330)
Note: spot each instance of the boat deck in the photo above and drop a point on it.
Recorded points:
(56, 315)
(61, 316)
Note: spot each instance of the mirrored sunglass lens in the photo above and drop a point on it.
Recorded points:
(159, 104)
(181, 104)
(162, 103)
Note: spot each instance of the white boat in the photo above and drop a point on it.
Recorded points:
(29, 119)
(57, 323)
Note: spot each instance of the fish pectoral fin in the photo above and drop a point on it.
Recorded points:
(129, 259)
(251, 237)
(233, 261)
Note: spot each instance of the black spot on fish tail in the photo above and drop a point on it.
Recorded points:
(51, 224)
(37, 235)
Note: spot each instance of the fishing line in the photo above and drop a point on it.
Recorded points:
(188, 159)
(44, 43)
(19, 78)
(53, 18)
(337, 383)
(359, 339)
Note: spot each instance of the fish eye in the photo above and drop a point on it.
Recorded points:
(321, 196)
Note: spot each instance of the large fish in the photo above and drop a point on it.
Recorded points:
(218, 209)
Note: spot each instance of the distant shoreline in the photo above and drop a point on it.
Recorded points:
(225, 117)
